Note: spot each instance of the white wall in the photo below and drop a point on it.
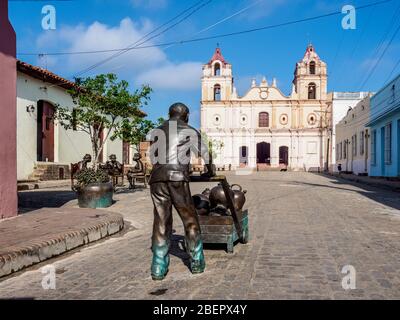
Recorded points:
(353, 124)
(69, 146)
(237, 126)
(341, 102)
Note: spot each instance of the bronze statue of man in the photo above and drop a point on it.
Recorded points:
(84, 162)
(172, 145)
(138, 169)
(113, 166)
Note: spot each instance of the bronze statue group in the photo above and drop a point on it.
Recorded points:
(169, 187)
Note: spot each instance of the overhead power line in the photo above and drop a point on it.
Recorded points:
(196, 7)
(222, 20)
(380, 44)
(381, 56)
(389, 78)
(224, 35)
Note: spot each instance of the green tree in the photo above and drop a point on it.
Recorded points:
(136, 131)
(103, 103)
(213, 145)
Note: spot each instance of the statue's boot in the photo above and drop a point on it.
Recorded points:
(197, 261)
(160, 262)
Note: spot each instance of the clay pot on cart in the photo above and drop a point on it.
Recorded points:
(217, 197)
(202, 202)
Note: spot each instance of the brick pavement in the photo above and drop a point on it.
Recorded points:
(32, 238)
(304, 228)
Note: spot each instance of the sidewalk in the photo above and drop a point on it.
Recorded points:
(31, 238)
(370, 181)
(33, 185)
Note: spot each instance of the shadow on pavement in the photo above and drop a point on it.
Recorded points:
(33, 200)
(48, 198)
(383, 196)
(177, 249)
(126, 190)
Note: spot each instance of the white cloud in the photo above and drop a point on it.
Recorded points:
(150, 4)
(143, 66)
(184, 76)
(98, 36)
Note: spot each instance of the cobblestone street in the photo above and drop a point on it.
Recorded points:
(304, 228)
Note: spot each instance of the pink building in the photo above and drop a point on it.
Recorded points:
(8, 163)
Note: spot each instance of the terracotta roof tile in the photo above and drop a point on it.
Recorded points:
(217, 56)
(50, 77)
(44, 75)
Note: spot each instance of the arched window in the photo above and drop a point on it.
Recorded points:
(312, 67)
(217, 69)
(263, 119)
(312, 89)
(217, 92)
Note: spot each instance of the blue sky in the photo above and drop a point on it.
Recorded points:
(174, 72)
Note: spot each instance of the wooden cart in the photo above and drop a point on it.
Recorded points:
(224, 229)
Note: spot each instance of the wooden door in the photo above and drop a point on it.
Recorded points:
(284, 155)
(45, 132)
(264, 153)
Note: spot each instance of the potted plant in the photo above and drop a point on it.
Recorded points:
(94, 188)
(104, 108)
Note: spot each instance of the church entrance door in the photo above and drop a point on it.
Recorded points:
(264, 153)
(243, 155)
(284, 155)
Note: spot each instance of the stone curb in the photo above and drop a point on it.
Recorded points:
(38, 250)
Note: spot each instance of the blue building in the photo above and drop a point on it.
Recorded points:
(384, 126)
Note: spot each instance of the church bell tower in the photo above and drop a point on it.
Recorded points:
(217, 79)
(310, 77)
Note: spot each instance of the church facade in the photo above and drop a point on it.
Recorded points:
(265, 128)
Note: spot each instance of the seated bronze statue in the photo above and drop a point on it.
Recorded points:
(84, 162)
(114, 169)
(112, 166)
(138, 171)
(79, 166)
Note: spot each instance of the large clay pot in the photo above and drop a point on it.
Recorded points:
(202, 204)
(239, 197)
(218, 199)
(96, 195)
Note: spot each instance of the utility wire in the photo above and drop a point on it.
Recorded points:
(349, 59)
(143, 40)
(382, 40)
(229, 17)
(219, 35)
(391, 73)
(380, 57)
(337, 52)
